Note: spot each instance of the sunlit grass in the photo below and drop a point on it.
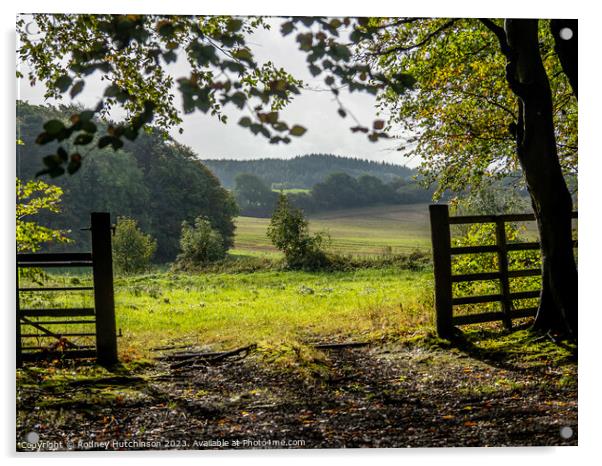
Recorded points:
(227, 310)
(224, 310)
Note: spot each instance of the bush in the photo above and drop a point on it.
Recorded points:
(132, 249)
(289, 232)
(200, 244)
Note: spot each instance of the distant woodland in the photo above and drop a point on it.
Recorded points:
(303, 171)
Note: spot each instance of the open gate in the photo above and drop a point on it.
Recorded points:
(53, 324)
(444, 279)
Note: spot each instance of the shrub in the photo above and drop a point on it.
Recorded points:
(289, 232)
(200, 244)
(132, 248)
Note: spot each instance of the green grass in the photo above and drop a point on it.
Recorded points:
(228, 310)
(365, 231)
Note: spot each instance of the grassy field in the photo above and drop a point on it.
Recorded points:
(363, 231)
(228, 310)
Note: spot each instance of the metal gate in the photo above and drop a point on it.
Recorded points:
(53, 324)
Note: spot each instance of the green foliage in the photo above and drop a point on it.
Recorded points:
(461, 116)
(200, 244)
(493, 199)
(132, 249)
(34, 198)
(337, 191)
(254, 198)
(304, 171)
(132, 52)
(155, 180)
(289, 232)
(340, 191)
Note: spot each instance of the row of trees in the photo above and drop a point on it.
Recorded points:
(154, 180)
(304, 171)
(337, 191)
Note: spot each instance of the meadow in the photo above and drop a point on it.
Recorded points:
(368, 231)
(226, 310)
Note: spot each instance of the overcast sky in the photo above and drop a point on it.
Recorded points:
(327, 132)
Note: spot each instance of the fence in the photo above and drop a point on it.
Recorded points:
(102, 315)
(444, 280)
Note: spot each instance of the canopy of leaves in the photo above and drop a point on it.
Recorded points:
(459, 118)
(131, 53)
(440, 82)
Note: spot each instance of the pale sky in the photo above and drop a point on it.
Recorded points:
(326, 131)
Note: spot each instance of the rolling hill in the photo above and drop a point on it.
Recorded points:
(303, 171)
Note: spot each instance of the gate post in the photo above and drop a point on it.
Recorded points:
(18, 318)
(104, 301)
(441, 241)
(502, 254)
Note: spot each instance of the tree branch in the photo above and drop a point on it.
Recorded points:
(407, 48)
(505, 48)
(500, 33)
(566, 48)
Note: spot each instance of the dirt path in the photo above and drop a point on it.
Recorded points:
(380, 396)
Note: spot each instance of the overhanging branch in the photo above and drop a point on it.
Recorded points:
(407, 48)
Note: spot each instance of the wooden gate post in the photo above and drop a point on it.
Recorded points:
(441, 241)
(18, 318)
(104, 301)
(502, 255)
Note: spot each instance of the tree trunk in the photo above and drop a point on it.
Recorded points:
(566, 47)
(551, 199)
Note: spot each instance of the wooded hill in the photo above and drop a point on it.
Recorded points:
(158, 182)
(304, 171)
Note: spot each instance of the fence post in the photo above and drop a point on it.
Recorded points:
(441, 240)
(104, 301)
(18, 318)
(502, 255)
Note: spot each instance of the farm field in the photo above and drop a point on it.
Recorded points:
(364, 231)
